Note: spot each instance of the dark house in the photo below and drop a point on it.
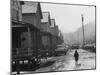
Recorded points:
(31, 13)
(53, 31)
(45, 28)
(25, 36)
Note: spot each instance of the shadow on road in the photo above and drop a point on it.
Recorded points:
(33, 67)
(77, 66)
(46, 64)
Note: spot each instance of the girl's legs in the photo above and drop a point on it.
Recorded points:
(76, 62)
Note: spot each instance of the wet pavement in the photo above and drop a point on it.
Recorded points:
(67, 62)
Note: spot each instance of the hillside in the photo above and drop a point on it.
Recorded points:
(77, 36)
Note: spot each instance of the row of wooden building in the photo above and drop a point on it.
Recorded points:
(34, 34)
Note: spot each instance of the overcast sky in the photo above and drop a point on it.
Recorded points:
(68, 17)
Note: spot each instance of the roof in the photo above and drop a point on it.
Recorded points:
(16, 23)
(46, 17)
(29, 7)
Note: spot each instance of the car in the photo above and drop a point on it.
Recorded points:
(60, 50)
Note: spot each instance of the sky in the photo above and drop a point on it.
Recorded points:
(68, 17)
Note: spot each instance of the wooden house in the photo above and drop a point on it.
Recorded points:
(31, 13)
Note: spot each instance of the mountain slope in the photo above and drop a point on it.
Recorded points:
(77, 36)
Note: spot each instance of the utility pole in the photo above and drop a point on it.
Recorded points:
(83, 29)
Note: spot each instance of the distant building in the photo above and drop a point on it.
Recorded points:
(45, 27)
(32, 13)
(54, 28)
(52, 22)
(61, 39)
(53, 32)
(57, 37)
